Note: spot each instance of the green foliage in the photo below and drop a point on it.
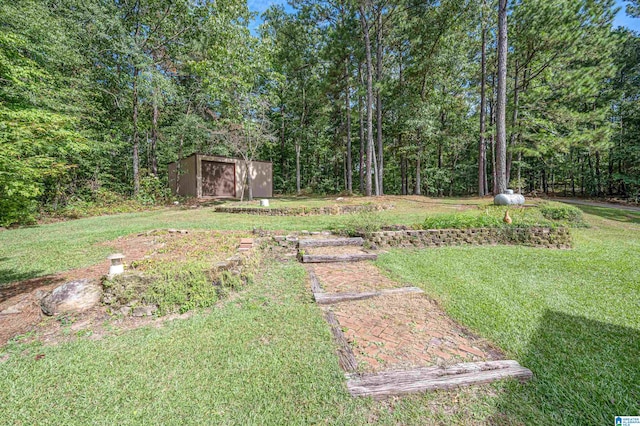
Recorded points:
(173, 286)
(181, 289)
(461, 221)
(488, 216)
(101, 202)
(561, 212)
(360, 224)
(153, 191)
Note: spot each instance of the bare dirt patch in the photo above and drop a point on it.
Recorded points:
(19, 302)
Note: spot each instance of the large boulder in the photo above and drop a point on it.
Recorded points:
(74, 296)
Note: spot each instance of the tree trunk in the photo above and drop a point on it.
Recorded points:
(590, 181)
(298, 146)
(519, 172)
(573, 181)
(417, 190)
(403, 176)
(482, 172)
(249, 179)
(136, 141)
(514, 122)
(367, 44)
(349, 170)
(154, 134)
(361, 131)
(598, 175)
(582, 176)
(494, 183)
(501, 102)
(379, 50)
(375, 172)
(298, 169)
(282, 139)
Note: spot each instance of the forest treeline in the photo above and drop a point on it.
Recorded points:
(370, 96)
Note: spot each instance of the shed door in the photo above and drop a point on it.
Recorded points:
(218, 179)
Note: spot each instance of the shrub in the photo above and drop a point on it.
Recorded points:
(462, 221)
(561, 212)
(488, 216)
(361, 224)
(153, 190)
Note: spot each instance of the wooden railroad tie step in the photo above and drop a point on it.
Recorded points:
(330, 298)
(346, 358)
(316, 288)
(329, 242)
(324, 258)
(392, 383)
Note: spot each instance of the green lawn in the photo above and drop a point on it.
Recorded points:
(34, 251)
(266, 356)
(570, 316)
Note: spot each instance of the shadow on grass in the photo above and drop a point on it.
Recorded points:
(13, 283)
(7, 291)
(585, 373)
(611, 214)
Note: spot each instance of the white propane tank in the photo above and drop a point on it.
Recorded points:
(508, 199)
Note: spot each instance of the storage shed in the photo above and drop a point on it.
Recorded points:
(204, 176)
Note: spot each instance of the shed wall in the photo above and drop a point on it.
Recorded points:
(189, 180)
(261, 174)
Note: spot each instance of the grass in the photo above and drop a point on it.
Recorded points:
(294, 202)
(39, 250)
(266, 357)
(548, 214)
(570, 316)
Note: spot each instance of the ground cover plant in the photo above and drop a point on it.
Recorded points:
(547, 214)
(178, 276)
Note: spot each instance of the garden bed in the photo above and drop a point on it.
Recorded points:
(305, 211)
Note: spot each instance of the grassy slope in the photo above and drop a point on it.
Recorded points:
(570, 316)
(39, 250)
(264, 358)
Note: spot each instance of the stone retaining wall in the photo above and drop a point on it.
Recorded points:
(532, 236)
(305, 211)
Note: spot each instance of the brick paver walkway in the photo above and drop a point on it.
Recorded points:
(400, 331)
(351, 277)
(407, 331)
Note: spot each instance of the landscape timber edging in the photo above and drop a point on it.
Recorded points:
(534, 236)
(305, 211)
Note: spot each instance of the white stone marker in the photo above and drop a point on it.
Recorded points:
(117, 266)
